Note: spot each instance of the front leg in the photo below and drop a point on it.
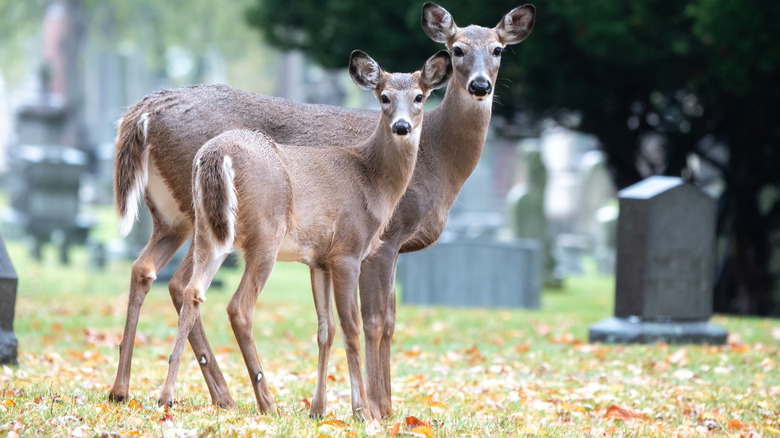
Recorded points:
(345, 282)
(377, 305)
(322, 288)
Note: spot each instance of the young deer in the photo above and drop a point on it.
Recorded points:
(325, 207)
(156, 144)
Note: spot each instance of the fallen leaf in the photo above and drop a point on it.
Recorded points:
(423, 430)
(678, 356)
(415, 422)
(619, 412)
(338, 424)
(734, 425)
(395, 429)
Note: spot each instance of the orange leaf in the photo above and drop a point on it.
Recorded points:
(414, 422)
(134, 404)
(740, 348)
(338, 424)
(522, 348)
(735, 425)
(617, 412)
(8, 403)
(423, 430)
(395, 429)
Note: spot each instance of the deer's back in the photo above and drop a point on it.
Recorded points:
(182, 120)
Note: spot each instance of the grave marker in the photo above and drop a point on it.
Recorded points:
(8, 284)
(665, 266)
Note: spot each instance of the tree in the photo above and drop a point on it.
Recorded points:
(698, 76)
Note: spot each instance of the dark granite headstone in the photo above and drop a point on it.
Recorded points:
(473, 273)
(665, 266)
(8, 283)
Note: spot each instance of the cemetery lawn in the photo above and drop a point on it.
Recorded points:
(456, 372)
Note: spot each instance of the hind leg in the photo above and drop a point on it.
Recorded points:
(220, 394)
(161, 247)
(189, 314)
(241, 311)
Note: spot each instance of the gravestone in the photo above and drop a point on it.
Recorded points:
(473, 273)
(8, 284)
(525, 210)
(665, 266)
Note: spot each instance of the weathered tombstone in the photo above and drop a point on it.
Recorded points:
(8, 283)
(473, 273)
(525, 210)
(665, 266)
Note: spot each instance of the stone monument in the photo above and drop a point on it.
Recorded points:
(8, 283)
(665, 266)
(473, 273)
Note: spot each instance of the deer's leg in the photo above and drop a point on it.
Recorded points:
(377, 301)
(158, 252)
(241, 311)
(189, 313)
(345, 275)
(322, 288)
(220, 394)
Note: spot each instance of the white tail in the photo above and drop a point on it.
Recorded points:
(325, 207)
(453, 135)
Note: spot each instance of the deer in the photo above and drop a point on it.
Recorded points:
(322, 206)
(156, 145)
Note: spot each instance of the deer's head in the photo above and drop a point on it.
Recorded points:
(401, 95)
(477, 50)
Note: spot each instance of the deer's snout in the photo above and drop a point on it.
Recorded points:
(401, 127)
(480, 86)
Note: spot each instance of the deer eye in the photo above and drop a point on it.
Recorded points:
(457, 51)
(384, 99)
(497, 51)
(418, 98)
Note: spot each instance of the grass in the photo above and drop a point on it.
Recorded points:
(456, 372)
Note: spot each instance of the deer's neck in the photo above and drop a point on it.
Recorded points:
(454, 135)
(389, 161)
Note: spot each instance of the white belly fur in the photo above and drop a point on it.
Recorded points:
(161, 197)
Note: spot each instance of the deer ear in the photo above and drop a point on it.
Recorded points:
(516, 25)
(365, 72)
(437, 70)
(437, 23)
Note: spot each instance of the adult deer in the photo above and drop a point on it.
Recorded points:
(322, 206)
(159, 136)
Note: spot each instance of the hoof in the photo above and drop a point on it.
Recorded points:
(226, 404)
(116, 398)
(169, 403)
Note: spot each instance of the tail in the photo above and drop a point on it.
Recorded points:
(215, 193)
(131, 168)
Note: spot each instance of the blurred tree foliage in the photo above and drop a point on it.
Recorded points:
(699, 75)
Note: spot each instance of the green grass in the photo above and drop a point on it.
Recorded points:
(465, 372)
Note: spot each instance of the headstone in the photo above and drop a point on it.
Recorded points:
(473, 273)
(665, 266)
(8, 284)
(525, 210)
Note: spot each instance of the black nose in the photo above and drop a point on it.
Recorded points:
(402, 127)
(480, 87)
